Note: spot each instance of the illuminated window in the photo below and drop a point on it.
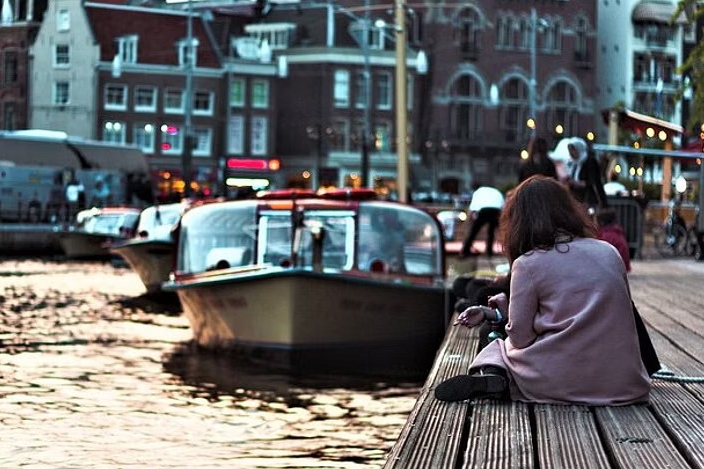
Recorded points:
(260, 94)
(114, 132)
(171, 140)
(204, 142)
(237, 88)
(259, 136)
(144, 137)
(342, 88)
(235, 140)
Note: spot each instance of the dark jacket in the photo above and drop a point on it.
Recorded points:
(593, 193)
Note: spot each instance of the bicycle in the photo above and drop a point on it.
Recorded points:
(674, 237)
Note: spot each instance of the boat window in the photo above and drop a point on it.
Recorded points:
(217, 235)
(105, 224)
(405, 239)
(276, 238)
(156, 222)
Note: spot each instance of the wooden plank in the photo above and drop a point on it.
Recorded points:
(635, 440)
(567, 436)
(682, 414)
(432, 434)
(500, 436)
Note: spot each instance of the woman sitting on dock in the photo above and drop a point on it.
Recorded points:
(571, 334)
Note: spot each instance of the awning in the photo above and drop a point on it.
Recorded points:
(52, 149)
(656, 12)
(637, 122)
(125, 158)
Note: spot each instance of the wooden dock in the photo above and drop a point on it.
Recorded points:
(666, 433)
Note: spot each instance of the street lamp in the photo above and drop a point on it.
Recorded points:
(535, 23)
(188, 111)
(401, 103)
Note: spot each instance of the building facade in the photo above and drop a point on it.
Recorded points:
(312, 86)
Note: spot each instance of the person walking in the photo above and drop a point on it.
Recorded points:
(538, 162)
(584, 178)
(485, 209)
(571, 333)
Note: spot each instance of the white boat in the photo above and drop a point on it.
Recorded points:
(151, 253)
(328, 284)
(95, 229)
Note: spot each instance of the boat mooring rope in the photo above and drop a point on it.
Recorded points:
(667, 375)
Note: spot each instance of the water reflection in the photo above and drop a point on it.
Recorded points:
(94, 374)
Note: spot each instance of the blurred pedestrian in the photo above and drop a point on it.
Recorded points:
(538, 162)
(485, 209)
(584, 180)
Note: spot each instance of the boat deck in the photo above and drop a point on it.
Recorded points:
(668, 432)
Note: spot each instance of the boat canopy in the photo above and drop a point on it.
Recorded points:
(157, 221)
(112, 222)
(355, 236)
(56, 149)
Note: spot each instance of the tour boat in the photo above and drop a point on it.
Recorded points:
(94, 229)
(330, 283)
(151, 253)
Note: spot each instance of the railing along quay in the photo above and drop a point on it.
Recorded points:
(666, 433)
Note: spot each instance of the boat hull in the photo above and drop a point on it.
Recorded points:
(152, 260)
(313, 322)
(82, 245)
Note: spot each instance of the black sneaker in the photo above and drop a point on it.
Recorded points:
(474, 386)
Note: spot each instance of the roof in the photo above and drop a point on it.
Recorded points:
(159, 31)
(656, 12)
(637, 122)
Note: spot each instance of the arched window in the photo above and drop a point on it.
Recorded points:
(466, 108)
(513, 112)
(468, 31)
(562, 106)
(503, 32)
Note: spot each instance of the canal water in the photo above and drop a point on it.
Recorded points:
(93, 374)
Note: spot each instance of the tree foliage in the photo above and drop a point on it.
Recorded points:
(693, 64)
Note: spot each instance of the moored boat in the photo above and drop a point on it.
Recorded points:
(94, 229)
(151, 253)
(331, 284)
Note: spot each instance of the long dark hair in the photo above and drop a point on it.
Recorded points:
(539, 213)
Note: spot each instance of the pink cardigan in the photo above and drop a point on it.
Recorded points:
(571, 332)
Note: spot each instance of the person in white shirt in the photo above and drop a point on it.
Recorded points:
(485, 209)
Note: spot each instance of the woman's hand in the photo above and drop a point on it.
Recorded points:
(472, 316)
(499, 301)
